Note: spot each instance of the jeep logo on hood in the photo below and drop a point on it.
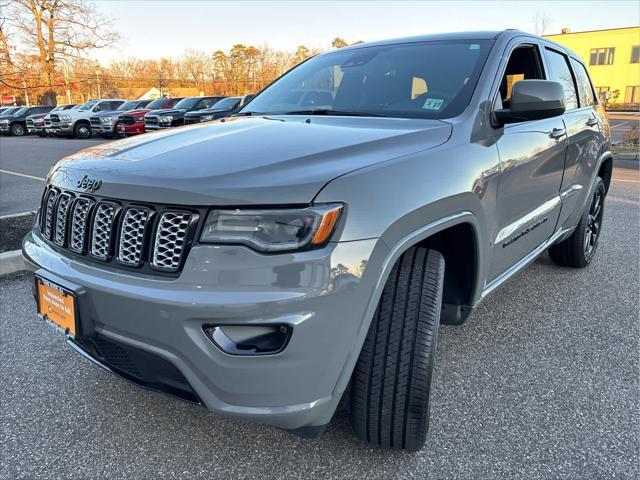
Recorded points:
(89, 184)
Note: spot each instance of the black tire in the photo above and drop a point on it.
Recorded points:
(82, 130)
(42, 135)
(17, 130)
(391, 383)
(579, 249)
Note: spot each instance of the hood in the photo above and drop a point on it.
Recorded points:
(168, 111)
(107, 113)
(245, 160)
(140, 112)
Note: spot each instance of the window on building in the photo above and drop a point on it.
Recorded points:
(559, 72)
(602, 56)
(585, 89)
(632, 95)
(635, 54)
(601, 92)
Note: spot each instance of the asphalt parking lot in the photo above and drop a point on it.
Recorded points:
(543, 381)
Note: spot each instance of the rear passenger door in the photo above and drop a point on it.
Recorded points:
(581, 124)
(532, 156)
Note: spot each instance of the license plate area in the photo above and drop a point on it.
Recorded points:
(56, 305)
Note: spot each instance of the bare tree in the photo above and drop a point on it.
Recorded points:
(54, 29)
(541, 23)
(196, 62)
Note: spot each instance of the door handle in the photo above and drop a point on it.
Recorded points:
(592, 122)
(557, 133)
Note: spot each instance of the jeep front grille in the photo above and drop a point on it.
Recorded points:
(117, 232)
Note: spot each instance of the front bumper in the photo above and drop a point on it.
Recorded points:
(322, 294)
(134, 129)
(37, 129)
(59, 129)
(102, 129)
(160, 126)
(4, 128)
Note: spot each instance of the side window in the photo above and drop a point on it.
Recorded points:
(524, 64)
(559, 72)
(115, 105)
(585, 89)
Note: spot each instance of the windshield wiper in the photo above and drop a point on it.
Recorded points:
(328, 111)
(242, 114)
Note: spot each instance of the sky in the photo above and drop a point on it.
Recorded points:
(154, 28)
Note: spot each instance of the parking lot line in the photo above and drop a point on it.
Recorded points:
(22, 175)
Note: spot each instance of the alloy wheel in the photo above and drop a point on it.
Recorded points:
(594, 222)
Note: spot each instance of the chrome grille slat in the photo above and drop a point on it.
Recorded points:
(132, 233)
(62, 211)
(101, 233)
(80, 224)
(170, 240)
(50, 202)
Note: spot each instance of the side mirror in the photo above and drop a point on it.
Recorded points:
(96, 108)
(532, 100)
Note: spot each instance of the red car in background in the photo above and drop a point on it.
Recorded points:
(132, 122)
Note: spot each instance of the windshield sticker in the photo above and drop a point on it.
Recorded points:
(433, 104)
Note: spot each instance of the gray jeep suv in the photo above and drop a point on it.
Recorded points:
(262, 263)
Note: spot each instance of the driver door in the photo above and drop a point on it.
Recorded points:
(532, 155)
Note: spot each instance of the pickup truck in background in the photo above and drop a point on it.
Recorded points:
(174, 117)
(105, 123)
(36, 123)
(132, 122)
(16, 124)
(75, 123)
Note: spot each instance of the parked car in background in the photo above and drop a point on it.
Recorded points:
(8, 111)
(105, 123)
(220, 109)
(36, 123)
(16, 124)
(132, 122)
(174, 117)
(76, 123)
(5, 109)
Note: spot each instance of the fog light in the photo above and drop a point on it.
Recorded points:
(249, 339)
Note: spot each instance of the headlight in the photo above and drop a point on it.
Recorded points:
(65, 118)
(206, 118)
(166, 119)
(107, 120)
(272, 230)
(4, 122)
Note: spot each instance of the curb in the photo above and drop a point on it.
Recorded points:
(11, 262)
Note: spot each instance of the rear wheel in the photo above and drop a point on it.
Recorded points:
(391, 382)
(82, 130)
(17, 129)
(579, 249)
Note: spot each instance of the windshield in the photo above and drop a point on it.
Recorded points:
(410, 80)
(128, 106)
(87, 105)
(226, 103)
(10, 111)
(187, 103)
(157, 104)
(20, 112)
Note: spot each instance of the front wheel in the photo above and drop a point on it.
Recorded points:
(391, 382)
(17, 129)
(82, 131)
(579, 249)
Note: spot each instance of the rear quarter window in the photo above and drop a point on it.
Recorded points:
(559, 72)
(585, 89)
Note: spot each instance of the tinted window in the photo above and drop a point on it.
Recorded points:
(380, 81)
(585, 89)
(128, 105)
(226, 103)
(20, 112)
(559, 72)
(635, 54)
(187, 103)
(524, 64)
